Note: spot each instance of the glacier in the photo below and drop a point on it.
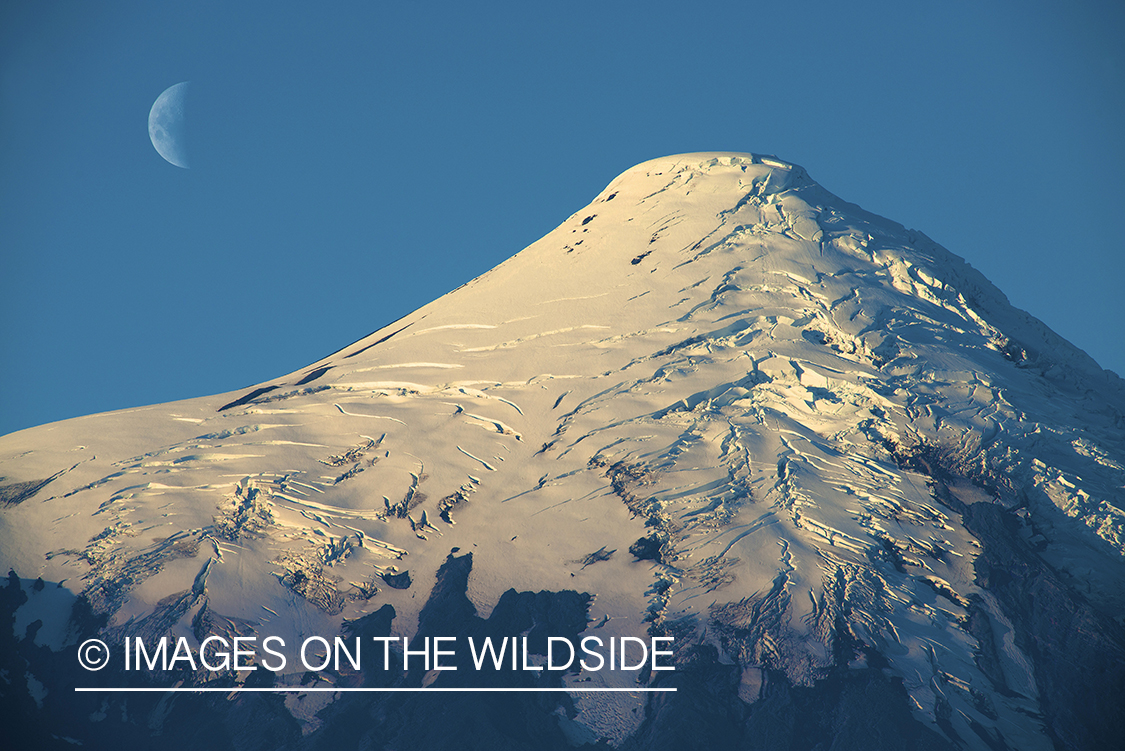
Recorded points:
(875, 505)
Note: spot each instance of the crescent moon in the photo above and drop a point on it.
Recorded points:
(166, 126)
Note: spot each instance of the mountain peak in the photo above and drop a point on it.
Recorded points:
(832, 450)
(721, 169)
(706, 162)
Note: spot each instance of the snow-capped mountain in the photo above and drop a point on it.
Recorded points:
(875, 505)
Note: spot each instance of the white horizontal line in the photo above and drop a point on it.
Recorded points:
(303, 689)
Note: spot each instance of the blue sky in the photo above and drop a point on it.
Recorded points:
(355, 161)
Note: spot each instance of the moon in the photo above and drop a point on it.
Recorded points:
(166, 126)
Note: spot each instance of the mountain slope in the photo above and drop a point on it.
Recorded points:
(817, 448)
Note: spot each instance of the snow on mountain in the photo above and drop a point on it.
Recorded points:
(817, 448)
